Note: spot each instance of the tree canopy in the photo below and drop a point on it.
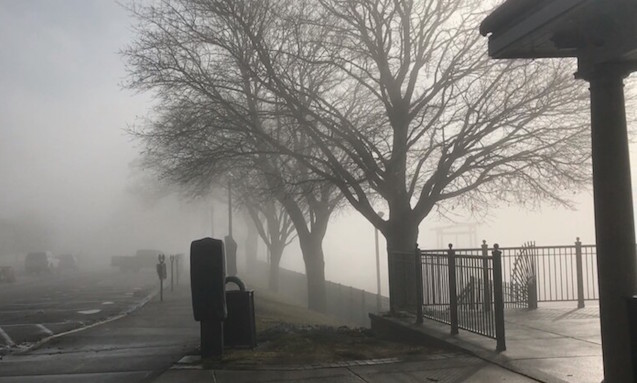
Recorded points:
(393, 102)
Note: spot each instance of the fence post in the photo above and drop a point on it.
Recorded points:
(486, 305)
(453, 296)
(363, 308)
(419, 282)
(580, 274)
(351, 306)
(531, 294)
(340, 299)
(498, 298)
(473, 303)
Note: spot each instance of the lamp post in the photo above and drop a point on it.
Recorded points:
(212, 220)
(230, 244)
(230, 208)
(378, 303)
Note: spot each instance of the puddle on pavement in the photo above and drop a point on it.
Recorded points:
(108, 303)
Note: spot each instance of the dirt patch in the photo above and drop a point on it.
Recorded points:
(286, 343)
(292, 335)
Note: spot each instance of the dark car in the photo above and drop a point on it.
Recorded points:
(39, 262)
(67, 262)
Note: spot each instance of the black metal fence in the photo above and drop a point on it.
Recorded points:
(346, 303)
(469, 288)
(463, 288)
(550, 274)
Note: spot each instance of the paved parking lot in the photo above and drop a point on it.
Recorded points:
(39, 306)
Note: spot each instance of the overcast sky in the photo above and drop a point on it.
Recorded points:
(65, 157)
(62, 112)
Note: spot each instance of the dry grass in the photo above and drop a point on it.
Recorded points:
(288, 334)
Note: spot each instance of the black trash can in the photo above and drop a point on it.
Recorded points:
(239, 328)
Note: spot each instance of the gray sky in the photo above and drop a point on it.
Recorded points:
(62, 112)
(64, 155)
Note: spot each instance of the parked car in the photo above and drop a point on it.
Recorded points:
(39, 262)
(144, 258)
(67, 262)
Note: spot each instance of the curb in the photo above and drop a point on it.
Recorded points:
(192, 362)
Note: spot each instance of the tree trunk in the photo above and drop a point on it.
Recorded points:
(401, 236)
(276, 253)
(315, 271)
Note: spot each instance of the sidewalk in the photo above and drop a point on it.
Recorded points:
(553, 344)
(453, 369)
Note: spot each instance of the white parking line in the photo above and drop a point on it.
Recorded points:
(6, 337)
(44, 329)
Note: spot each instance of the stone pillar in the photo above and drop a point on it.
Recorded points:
(614, 222)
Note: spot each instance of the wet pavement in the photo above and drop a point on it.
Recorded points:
(552, 344)
(556, 343)
(133, 348)
(39, 306)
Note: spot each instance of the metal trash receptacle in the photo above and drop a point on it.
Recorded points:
(239, 328)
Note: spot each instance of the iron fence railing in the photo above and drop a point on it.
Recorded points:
(469, 288)
(463, 288)
(553, 273)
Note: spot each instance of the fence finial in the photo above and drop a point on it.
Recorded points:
(577, 239)
(450, 246)
(484, 242)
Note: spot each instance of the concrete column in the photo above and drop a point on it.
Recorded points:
(614, 222)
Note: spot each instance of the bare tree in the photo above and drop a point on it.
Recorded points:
(277, 232)
(445, 126)
(213, 118)
(400, 105)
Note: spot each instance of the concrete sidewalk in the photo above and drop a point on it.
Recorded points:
(453, 368)
(556, 343)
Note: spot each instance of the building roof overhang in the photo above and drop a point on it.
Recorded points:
(594, 31)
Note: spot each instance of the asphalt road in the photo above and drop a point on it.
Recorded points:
(40, 306)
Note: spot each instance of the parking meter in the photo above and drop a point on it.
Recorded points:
(207, 283)
(207, 279)
(161, 267)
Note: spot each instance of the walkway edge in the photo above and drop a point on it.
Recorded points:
(402, 328)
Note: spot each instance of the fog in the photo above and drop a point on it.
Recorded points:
(65, 159)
